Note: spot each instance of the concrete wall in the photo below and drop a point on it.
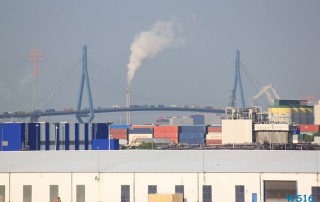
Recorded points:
(108, 188)
(236, 131)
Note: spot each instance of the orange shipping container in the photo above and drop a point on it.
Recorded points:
(215, 129)
(166, 129)
(118, 131)
(309, 128)
(213, 141)
(172, 136)
(119, 136)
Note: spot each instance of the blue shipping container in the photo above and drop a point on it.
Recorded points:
(140, 131)
(103, 144)
(190, 129)
(192, 138)
(11, 136)
(100, 131)
(120, 126)
(33, 136)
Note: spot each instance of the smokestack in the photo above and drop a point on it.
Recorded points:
(128, 100)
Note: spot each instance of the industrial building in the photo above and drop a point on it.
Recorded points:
(129, 176)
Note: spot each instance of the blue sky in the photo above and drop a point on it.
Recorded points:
(278, 41)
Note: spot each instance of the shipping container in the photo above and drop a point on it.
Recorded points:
(133, 137)
(214, 136)
(103, 144)
(119, 136)
(209, 142)
(166, 129)
(100, 131)
(309, 128)
(191, 129)
(119, 126)
(140, 131)
(142, 126)
(217, 129)
(172, 136)
(12, 136)
(191, 138)
(118, 131)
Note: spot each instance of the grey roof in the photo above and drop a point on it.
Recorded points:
(172, 161)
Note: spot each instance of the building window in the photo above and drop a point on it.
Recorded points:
(179, 189)
(2, 193)
(239, 189)
(275, 190)
(54, 192)
(125, 193)
(315, 193)
(27, 193)
(81, 193)
(152, 189)
(206, 193)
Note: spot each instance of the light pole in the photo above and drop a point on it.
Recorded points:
(37, 136)
(109, 136)
(55, 138)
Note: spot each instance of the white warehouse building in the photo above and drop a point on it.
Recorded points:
(130, 175)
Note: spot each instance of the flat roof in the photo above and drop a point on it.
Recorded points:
(160, 161)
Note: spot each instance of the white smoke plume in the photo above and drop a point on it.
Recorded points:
(150, 43)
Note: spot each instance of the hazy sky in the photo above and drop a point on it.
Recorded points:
(278, 40)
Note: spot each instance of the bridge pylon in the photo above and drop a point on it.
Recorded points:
(85, 80)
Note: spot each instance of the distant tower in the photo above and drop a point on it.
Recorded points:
(128, 100)
(85, 81)
(237, 82)
(36, 56)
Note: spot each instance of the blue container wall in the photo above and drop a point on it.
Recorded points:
(120, 126)
(100, 131)
(76, 136)
(34, 136)
(86, 136)
(140, 131)
(67, 136)
(103, 144)
(11, 136)
(192, 138)
(199, 129)
(47, 129)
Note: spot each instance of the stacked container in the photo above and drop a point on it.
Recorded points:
(12, 136)
(192, 135)
(214, 135)
(169, 132)
(134, 133)
(120, 132)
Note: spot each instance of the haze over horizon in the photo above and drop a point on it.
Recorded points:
(278, 42)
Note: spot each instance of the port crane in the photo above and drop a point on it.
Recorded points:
(270, 92)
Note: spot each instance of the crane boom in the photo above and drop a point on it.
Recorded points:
(270, 92)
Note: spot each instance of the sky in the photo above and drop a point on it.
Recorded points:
(278, 42)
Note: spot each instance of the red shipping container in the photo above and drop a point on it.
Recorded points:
(166, 129)
(119, 136)
(118, 131)
(309, 128)
(215, 129)
(213, 141)
(172, 136)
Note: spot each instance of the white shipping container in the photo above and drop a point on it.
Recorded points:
(267, 127)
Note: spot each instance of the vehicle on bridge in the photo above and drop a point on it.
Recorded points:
(37, 111)
(6, 113)
(19, 112)
(50, 110)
